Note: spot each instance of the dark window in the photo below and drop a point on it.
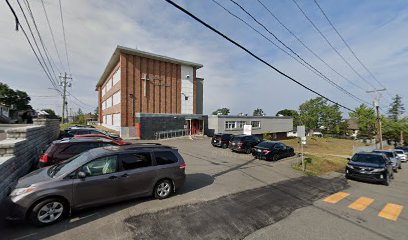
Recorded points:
(94, 132)
(267, 144)
(107, 144)
(135, 160)
(101, 166)
(368, 158)
(165, 157)
(80, 147)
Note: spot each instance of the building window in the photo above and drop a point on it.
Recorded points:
(103, 105)
(240, 124)
(103, 91)
(109, 85)
(256, 124)
(116, 98)
(116, 77)
(109, 102)
(229, 125)
(104, 119)
(116, 119)
(109, 119)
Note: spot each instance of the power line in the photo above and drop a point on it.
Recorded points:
(348, 46)
(307, 47)
(253, 55)
(65, 39)
(331, 45)
(18, 24)
(52, 34)
(316, 71)
(50, 62)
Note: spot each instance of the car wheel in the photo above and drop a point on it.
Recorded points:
(275, 157)
(387, 180)
(248, 151)
(400, 167)
(224, 146)
(395, 170)
(163, 189)
(48, 211)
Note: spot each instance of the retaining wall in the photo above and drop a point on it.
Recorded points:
(21, 149)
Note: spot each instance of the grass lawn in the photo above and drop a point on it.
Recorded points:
(324, 155)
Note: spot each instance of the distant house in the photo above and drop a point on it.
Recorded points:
(352, 125)
(4, 114)
(277, 127)
(90, 119)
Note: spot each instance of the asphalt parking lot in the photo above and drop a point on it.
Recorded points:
(233, 196)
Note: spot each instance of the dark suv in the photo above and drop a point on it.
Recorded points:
(243, 143)
(70, 132)
(95, 177)
(60, 150)
(221, 140)
(371, 167)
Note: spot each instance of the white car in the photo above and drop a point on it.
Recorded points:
(401, 155)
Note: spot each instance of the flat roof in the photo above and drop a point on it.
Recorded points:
(120, 49)
(237, 116)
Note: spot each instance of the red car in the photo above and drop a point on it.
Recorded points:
(61, 150)
(118, 142)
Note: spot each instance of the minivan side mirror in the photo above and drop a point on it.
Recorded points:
(81, 175)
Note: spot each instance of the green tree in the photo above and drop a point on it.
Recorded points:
(366, 120)
(290, 113)
(310, 113)
(396, 108)
(96, 113)
(331, 118)
(221, 111)
(258, 112)
(19, 99)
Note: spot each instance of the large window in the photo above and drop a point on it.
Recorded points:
(109, 102)
(116, 98)
(135, 160)
(103, 91)
(109, 119)
(240, 124)
(109, 85)
(256, 124)
(116, 119)
(116, 77)
(165, 157)
(230, 125)
(101, 166)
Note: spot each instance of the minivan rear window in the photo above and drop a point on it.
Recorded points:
(135, 160)
(165, 157)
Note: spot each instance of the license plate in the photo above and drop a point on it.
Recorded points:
(233, 144)
(259, 150)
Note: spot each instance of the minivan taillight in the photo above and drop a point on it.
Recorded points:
(44, 158)
(182, 166)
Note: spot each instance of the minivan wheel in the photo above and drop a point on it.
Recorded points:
(48, 211)
(224, 146)
(163, 189)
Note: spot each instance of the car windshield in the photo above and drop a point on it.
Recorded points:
(266, 144)
(368, 158)
(388, 154)
(68, 165)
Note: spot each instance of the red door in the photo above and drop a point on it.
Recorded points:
(194, 127)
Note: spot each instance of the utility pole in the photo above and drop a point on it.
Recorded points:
(64, 83)
(376, 102)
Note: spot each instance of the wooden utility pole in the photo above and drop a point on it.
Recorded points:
(376, 102)
(64, 83)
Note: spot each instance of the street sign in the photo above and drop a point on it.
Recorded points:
(303, 139)
(301, 132)
(247, 129)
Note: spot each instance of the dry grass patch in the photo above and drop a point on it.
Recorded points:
(318, 165)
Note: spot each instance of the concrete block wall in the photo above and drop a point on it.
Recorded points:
(21, 150)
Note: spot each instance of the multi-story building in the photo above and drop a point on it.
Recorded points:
(141, 94)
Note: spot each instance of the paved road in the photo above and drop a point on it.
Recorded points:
(362, 211)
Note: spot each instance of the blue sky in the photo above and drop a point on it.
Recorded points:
(375, 29)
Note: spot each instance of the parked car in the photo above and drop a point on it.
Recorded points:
(119, 142)
(401, 154)
(243, 143)
(221, 140)
(272, 151)
(404, 148)
(371, 167)
(96, 177)
(72, 131)
(60, 150)
(396, 161)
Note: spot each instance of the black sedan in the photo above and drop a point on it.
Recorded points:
(221, 140)
(374, 167)
(272, 151)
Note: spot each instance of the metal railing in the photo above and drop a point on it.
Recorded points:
(175, 133)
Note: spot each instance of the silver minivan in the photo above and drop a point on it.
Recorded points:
(98, 176)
